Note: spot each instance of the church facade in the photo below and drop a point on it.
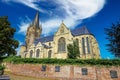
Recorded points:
(55, 46)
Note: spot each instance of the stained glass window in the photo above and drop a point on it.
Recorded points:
(83, 45)
(49, 53)
(61, 45)
(31, 53)
(37, 53)
(88, 45)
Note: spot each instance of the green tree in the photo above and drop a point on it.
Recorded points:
(7, 42)
(113, 36)
(73, 50)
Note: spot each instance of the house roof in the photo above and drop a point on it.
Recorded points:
(76, 32)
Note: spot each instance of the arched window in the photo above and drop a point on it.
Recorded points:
(77, 44)
(31, 53)
(49, 53)
(61, 45)
(49, 44)
(77, 41)
(88, 45)
(37, 53)
(83, 45)
(25, 55)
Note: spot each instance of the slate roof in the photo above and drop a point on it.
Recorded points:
(46, 46)
(44, 39)
(80, 31)
(75, 32)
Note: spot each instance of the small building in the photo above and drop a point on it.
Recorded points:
(55, 46)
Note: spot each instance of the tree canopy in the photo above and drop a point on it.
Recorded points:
(73, 50)
(113, 36)
(7, 42)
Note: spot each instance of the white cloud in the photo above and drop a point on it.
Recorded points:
(81, 9)
(48, 26)
(74, 12)
(30, 3)
(53, 24)
(20, 43)
(24, 24)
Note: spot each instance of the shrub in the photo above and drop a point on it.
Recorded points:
(2, 67)
(106, 62)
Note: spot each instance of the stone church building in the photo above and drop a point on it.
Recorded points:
(55, 46)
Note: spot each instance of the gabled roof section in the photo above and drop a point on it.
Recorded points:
(80, 31)
(44, 39)
(46, 46)
(62, 29)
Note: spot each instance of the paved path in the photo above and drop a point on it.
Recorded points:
(18, 77)
(4, 77)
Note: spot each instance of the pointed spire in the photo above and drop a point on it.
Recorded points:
(36, 20)
(62, 21)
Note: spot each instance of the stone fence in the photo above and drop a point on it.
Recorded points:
(65, 72)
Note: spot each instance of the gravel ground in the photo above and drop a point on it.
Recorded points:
(17, 77)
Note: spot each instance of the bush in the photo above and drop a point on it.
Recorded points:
(2, 67)
(106, 62)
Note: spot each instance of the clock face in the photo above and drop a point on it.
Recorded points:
(62, 29)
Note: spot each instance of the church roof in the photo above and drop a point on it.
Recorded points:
(45, 39)
(76, 32)
(46, 46)
(80, 31)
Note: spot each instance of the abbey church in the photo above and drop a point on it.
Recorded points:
(55, 46)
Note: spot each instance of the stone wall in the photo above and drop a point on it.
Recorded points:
(65, 72)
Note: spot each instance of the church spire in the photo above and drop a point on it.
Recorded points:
(34, 31)
(36, 20)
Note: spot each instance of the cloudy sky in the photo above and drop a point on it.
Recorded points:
(95, 14)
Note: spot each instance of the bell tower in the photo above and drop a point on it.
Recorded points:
(33, 31)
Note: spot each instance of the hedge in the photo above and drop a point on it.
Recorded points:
(104, 62)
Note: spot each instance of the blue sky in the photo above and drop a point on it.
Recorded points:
(95, 14)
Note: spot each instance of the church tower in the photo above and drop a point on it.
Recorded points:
(33, 31)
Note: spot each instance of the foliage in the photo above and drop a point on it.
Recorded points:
(104, 62)
(7, 42)
(2, 67)
(113, 36)
(73, 50)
